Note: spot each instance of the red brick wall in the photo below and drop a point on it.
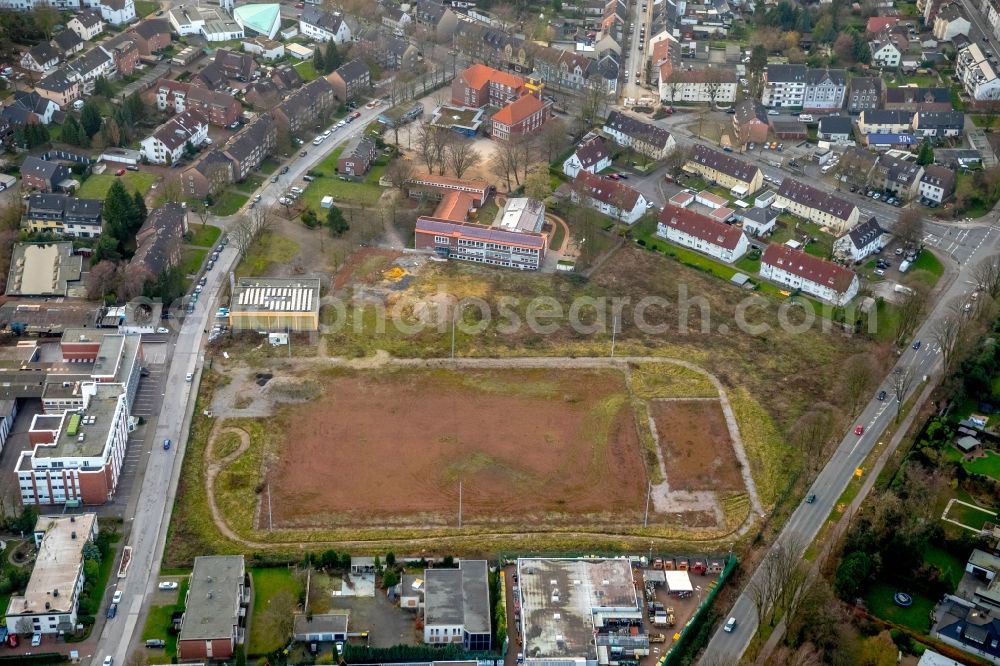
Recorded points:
(191, 650)
(94, 486)
(41, 437)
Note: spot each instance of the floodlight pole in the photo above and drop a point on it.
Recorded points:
(649, 490)
(460, 504)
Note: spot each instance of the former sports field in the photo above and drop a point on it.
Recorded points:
(524, 445)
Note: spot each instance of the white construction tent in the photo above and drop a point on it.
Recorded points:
(678, 582)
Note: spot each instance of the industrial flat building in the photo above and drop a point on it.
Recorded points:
(582, 611)
(275, 304)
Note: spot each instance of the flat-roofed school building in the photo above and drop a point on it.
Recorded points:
(275, 304)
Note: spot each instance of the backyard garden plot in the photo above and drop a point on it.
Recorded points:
(524, 445)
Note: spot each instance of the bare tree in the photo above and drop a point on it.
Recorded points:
(713, 84)
(427, 145)
(552, 138)
(673, 82)
(538, 185)
(133, 281)
(500, 167)
(776, 584)
(103, 279)
(860, 372)
(987, 276)
(593, 104)
(902, 382)
(399, 172)
(909, 227)
(951, 333)
(910, 311)
(813, 431)
(461, 156)
(170, 190)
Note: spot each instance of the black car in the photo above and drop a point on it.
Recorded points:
(810, 498)
(881, 396)
(274, 179)
(284, 170)
(916, 345)
(112, 611)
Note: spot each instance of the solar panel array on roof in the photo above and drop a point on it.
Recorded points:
(285, 299)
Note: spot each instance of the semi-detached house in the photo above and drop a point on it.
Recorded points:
(688, 228)
(613, 198)
(816, 206)
(882, 121)
(323, 25)
(862, 241)
(741, 178)
(591, 155)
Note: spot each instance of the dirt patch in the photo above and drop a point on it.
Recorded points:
(526, 445)
(364, 266)
(696, 446)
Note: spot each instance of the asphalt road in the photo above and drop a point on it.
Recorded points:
(152, 511)
(635, 61)
(804, 524)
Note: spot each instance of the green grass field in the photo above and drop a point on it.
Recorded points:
(968, 515)
(952, 569)
(204, 235)
(158, 626)
(341, 191)
(987, 466)
(266, 584)
(306, 70)
(270, 249)
(879, 600)
(926, 270)
(191, 260)
(96, 187)
(144, 8)
(228, 203)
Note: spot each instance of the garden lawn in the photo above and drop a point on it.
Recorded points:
(306, 70)
(250, 184)
(968, 515)
(266, 584)
(191, 260)
(987, 466)
(145, 8)
(880, 603)
(952, 569)
(96, 187)
(204, 235)
(158, 625)
(228, 203)
(270, 249)
(363, 194)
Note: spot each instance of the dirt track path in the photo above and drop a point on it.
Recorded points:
(213, 470)
(383, 359)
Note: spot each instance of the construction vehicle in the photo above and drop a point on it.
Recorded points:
(657, 638)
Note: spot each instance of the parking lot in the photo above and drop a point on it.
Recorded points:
(149, 397)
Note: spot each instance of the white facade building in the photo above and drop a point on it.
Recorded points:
(814, 276)
(689, 229)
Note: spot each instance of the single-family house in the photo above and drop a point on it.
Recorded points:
(613, 198)
(836, 129)
(29, 107)
(323, 25)
(59, 88)
(887, 49)
(167, 143)
(68, 43)
(357, 156)
(937, 184)
(862, 241)
(43, 175)
(750, 122)
(40, 58)
(87, 23)
(151, 35)
(897, 175)
(590, 155)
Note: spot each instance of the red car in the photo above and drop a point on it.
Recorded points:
(860, 430)
(614, 176)
(357, 114)
(12, 640)
(299, 5)
(120, 172)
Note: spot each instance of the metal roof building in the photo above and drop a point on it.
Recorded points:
(275, 304)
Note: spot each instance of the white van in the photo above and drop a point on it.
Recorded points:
(78, 105)
(805, 118)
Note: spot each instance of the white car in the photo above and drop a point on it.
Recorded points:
(36, 640)
(318, 140)
(327, 134)
(109, 661)
(162, 331)
(256, 198)
(116, 598)
(167, 585)
(773, 112)
(730, 625)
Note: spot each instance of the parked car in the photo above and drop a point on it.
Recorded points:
(916, 345)
(116, 597)
(112, 611)
(881, 396)
(120, 172)
(772, 112)
(36, 639)
(167, 585)
(284, 170)
(730, 625)
(162, 331)
(166, 445)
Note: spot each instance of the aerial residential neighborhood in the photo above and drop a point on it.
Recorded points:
(277, 275)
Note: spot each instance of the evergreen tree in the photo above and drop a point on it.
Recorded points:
(71, 131)
(926, 154)
(107, 248)
(319, 64)
(335, 220)
(332, 57)
(140, 206)
(103, 87)
(90, 119)
(118, 212)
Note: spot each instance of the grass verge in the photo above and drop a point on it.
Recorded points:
(97, 186)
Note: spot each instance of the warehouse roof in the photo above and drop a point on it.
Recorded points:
(276, 295)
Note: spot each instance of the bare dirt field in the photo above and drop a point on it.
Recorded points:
(696, 446)
(527, 445)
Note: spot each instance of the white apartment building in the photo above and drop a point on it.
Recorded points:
(784, 86)
(324, 26)
(825, 89)
(49, 602)
(885, 52)
(814, 276)
(689, 229)
(117, 12)
(976, 74)
(166, 144)
(613, 198)
(862, 241)
(816, 206)
(77, 456)
(701, 86)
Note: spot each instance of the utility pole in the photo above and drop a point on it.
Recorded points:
(614, 330)
(459, 504)
(270, 523)
(649, 490)
(453, 317)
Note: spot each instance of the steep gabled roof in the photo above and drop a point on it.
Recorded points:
(612, 192)
(518, 110)
(808, 195)
(808, 267)
(636, 129)
(865, 233)
(353, 70)
(477, 76)
(700, 226)
(591, 151)
(736, 168)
